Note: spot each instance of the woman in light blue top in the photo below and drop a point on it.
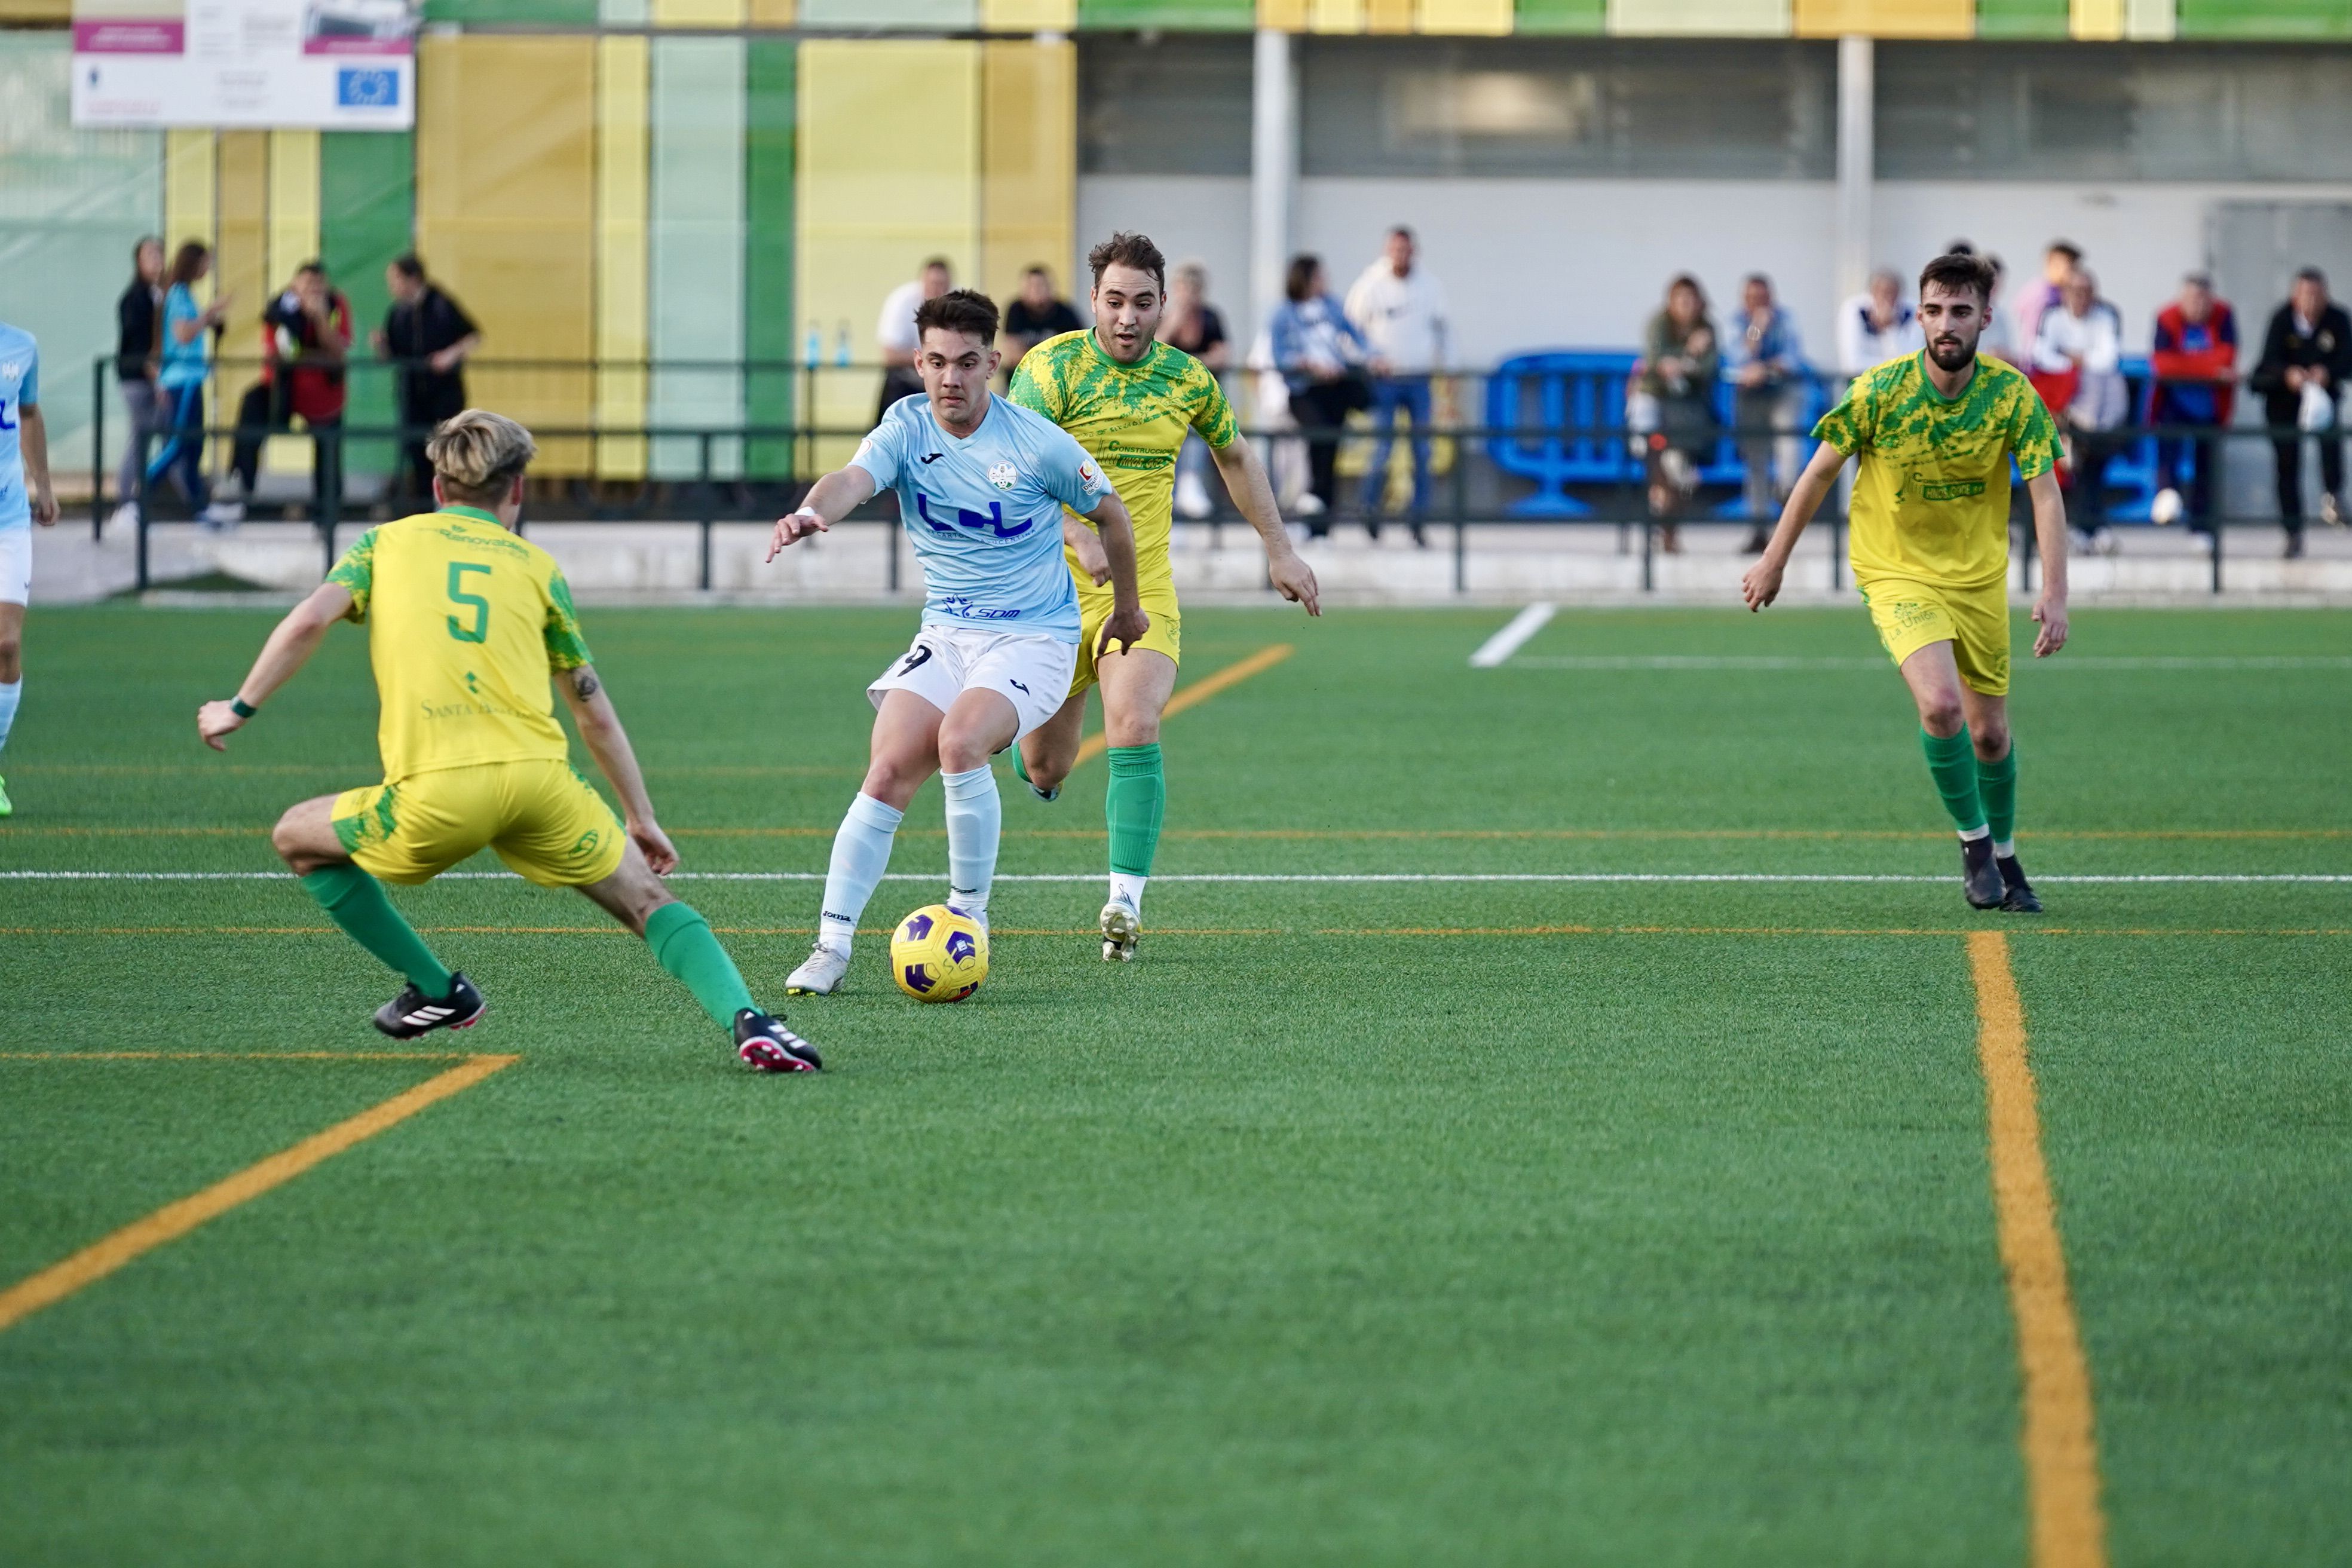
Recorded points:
(1322, 358)
(186, 365)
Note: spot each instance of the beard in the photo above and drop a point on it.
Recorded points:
(1952, 352)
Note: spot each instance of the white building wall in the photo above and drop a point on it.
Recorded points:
(1581, 263)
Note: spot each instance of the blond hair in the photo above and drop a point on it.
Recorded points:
(479, 455)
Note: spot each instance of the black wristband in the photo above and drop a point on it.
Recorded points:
(237, 706)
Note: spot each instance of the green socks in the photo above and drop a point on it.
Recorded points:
(1997, 786)
(1133, 804)
(355, 901)
(683, 945)
(1952, 762)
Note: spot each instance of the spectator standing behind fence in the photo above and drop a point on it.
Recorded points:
(2059, 259)
(1400, 307)
(894, 330)
(1036, 314)
(1767, 365)
(1670, 400)
(2195, 362)
(1323, 359)
(306, 339)
(430, 335)
(138, 350)
(2306, 356)
(1877, 325)
(186, 363)
(1195, 325)
(2078, 367)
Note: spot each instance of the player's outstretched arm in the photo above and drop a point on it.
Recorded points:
(1246, 482)
(1760, 583)
(1080, 541)
(599, 727)
(33, 446)
(1127, 620)
(289, 648)
(2050, 533)
(829, 500)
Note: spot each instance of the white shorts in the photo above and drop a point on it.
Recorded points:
(15, 565)
(945, 662)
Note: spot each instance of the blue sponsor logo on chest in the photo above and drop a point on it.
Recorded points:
(991, 521)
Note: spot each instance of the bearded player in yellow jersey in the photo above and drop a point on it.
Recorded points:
(1131, 400)
(1935, 432)
(467, 624)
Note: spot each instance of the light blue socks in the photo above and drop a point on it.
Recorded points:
(861, 853)
(975, 822)
(8, 696)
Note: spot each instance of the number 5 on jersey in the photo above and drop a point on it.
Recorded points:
(458, 594)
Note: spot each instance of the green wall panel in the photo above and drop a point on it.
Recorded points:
(2022, 19)
(1193, 16)
(2266, 19)
(367, 212)
(770, 76)
(1563, 16)
(557, 13)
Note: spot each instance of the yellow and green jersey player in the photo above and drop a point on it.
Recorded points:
(1937, 432)
(1131, 400)
(466, 626)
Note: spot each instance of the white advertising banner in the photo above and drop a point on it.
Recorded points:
(330, 65)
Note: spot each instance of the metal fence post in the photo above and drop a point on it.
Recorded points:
(327, 477)
(2218, 526)
(98, 451)
(1649, 556)
(707, 508)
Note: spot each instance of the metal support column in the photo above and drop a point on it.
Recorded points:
(1856, 160)
(1273, 170)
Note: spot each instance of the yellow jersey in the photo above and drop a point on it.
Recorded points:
(1132, 418)
(1931, 499)
(465, 623)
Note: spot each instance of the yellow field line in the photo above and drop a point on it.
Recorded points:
(2062, 1461)
(1200, 691)
(176, 1219)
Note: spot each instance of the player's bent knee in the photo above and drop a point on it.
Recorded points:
(1940, 717)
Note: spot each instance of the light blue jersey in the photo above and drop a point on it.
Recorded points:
(985, 513)
(20, 382)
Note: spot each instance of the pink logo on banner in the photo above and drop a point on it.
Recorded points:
(131, 35)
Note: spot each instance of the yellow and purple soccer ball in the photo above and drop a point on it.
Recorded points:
(939, 955)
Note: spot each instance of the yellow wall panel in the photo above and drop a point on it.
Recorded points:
(189, 188)
(1886, 18)
(1028, 141)
(1464, 16)
(889, 173)
(55, 12)
(772, 13)
(2101, 21)
(1028, 16)
(699, 13)
(1336, 15)
(1387, 15)
(293, 203)
(506, 215)
(622, 73)
(241, 264)
(1700, 18)
(1282, 15)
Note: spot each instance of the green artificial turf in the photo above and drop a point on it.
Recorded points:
(1356, 1223)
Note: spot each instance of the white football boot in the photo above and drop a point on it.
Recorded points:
(820, 974)
(1120, 926)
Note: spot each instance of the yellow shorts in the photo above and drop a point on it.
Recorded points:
(540, 817)
(1166, 633)
(1910, 614)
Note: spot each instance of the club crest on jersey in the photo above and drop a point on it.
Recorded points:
(1003, 475)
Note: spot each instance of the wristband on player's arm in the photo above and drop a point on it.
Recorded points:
(241, 708)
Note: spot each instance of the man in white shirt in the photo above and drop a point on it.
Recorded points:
(1402, 311)
(2084, 335)
(1877, 326)
(894, 331)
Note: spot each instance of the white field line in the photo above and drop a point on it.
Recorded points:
(1512, 637)
(1785, 661)
(1768, 877)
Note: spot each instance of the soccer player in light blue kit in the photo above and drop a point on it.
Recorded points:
(981, 482)
(24, 499)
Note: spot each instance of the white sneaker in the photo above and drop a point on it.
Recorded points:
(1120, 926)
(223, 514)
(1308, 505)
(1193, 497)
(2165, 509)
(820, 975)
(124, 516)
(978, 917)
